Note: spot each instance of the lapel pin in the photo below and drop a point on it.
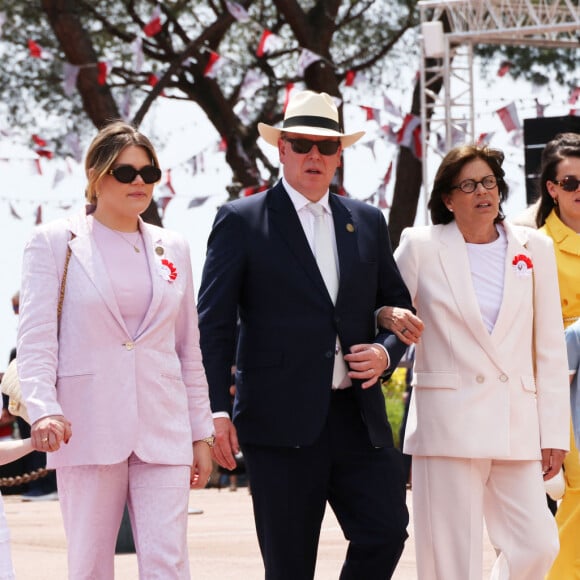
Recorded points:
(159, 250)
(349, 228)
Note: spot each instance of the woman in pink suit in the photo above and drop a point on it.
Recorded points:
(129, 419)
(489, 413)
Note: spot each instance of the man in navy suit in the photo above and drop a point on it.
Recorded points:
(309, 413)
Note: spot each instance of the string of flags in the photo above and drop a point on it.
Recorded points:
(394, 126)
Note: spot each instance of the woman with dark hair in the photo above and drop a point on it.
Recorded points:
(115, 389)
(489, 407)
(559, 218)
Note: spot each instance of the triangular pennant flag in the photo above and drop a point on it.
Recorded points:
(287, 93)
(14, 213)
(153, 27)
(504, 67)
(349, 78)
(253, 81)
(509, 117)
(372, 114)
(307, 58)
(137, 47)
(70, 74)
(101, 72)
(38, 141)
(197, 201)
(214, 63)
(269, 42)
(237, 11)
(574, 95)
(34, 49)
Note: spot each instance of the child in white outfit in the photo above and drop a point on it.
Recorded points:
(9, 451)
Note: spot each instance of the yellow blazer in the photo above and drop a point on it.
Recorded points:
(567, 249)
(502, 395)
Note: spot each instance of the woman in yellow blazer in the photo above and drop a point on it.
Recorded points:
(489, 409)
(559, 218)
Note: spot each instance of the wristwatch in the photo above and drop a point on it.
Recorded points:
(209, 440)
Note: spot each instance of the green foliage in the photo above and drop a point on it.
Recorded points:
(394, 391)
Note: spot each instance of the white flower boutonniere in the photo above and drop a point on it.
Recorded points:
(522, 265)
(167, 269)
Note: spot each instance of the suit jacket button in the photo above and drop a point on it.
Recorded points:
(479, 379)
(129, 345)
(329, 354)
(503, 378)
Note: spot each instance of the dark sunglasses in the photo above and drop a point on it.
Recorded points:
(127, 173)
(569, 183)
(303, 146)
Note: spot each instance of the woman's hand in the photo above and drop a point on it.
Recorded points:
(48, 433)
(552, 460)
(402, 322)
(202, 465)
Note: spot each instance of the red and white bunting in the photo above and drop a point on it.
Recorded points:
(509, 117)
(213, 66)
(269, 42)
(154, 25)
(70, 73)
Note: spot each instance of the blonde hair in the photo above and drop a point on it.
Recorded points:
(106, 147)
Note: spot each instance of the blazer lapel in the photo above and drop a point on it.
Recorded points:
(158, 284)
(512, 299)
(85, 250)
(346, 239)
(284, 219)
(455, 265)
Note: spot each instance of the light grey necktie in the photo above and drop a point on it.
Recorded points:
(326, 260)
(324, 250)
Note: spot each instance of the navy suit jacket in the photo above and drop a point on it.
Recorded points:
(260, 269)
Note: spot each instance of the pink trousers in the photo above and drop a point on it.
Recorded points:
(92, 500)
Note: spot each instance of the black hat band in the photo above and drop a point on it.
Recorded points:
(311, 121)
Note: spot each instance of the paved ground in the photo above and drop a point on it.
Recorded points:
(222, 542)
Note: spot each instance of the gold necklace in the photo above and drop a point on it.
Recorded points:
(132, 244)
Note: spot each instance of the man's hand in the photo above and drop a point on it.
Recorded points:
(367, 363)
(402, 322)
(226, 443)
(552, 460)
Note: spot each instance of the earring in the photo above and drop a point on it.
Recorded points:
(555, 200)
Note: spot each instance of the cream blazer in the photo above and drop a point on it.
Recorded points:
(503, 395)
(145, 394)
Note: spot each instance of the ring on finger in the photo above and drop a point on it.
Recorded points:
(44, 439)
(405, 330)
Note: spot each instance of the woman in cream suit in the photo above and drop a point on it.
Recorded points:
(129, 419)
(490, 408)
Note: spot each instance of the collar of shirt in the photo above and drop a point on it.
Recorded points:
(300, 201)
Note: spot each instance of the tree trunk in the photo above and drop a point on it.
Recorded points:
(98, 102)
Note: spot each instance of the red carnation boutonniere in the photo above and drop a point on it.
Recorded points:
(167, 270)
(522, 265)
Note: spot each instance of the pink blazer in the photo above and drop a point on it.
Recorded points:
(502, 395)
(146, 395)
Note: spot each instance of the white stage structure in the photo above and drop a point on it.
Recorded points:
(448, 56)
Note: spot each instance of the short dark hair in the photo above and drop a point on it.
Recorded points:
(450, 168)
(559, 148)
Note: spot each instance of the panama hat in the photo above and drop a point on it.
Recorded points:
(309, 113)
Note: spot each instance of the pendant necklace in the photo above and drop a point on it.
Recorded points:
(128, 241)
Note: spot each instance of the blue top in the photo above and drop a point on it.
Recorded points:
(573, 345)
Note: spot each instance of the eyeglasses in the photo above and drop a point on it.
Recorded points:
(127, 173)
(303, 146)
(569, 183)
(470, 185)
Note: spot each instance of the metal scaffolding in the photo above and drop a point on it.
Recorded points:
(447, 57)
